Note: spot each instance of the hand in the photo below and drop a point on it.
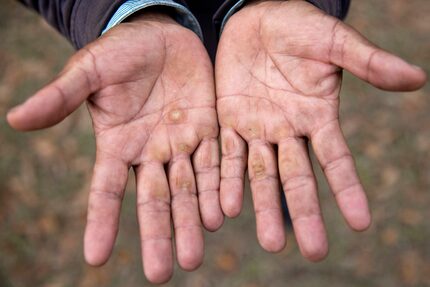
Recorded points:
(149, 89)
(278, 77)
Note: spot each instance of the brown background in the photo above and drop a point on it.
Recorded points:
(44, 178)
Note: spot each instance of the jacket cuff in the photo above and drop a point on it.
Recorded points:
(180, 13)
(335, 8)
(88, 18)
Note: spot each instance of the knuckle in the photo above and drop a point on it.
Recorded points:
(110, 194)
(231, 146)
(184, 200)
(205, 161)
(349, 188)
(208, 182)
(154, 205)
(298, 182)
(338, 162)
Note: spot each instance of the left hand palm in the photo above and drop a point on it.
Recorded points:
(278, 83)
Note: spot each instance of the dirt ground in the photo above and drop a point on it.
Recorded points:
(44, 178)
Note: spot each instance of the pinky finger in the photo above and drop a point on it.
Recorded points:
(339, 168)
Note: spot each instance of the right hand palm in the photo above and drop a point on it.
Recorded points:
(150, 93)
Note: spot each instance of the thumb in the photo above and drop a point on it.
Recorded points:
(350, 50)
(60, 98)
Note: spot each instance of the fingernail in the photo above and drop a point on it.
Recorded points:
(417, 67)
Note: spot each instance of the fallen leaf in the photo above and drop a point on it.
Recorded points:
(410, 264)
(226, 260)
(390, 236)
(410, 217)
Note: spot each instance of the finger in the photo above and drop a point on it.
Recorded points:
(350, 50)
(206, 167)
(185, 211)
(300, 189)
(233, 165)
(153, 212)
(60, 98)
(106, 193)
(339, 168)
(263, 175)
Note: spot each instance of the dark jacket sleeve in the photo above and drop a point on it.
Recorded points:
(336, 8)
(80, 21)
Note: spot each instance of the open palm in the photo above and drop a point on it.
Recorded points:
(278, 75)
(150, 92)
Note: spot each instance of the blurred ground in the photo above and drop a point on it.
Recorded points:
(44, 179)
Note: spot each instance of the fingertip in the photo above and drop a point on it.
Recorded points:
(315, 252)
(13, 118)
(158, 275)
(272, 240)
(232, 211)
(315, 255)
(213, 223)
(395, 74)
(413, 78)
(38, 112)
(231, 197)
(190, 260)
(93, 256)
(359, 219)
(94, 261)
(98, 245)
(158, 272)
(360, 222)
(211, 213)
(311, 237)
(355, 209)
(157, 259)
(158, 278)
(13, 109)
(10, 117)
(230, 208)
(189, 247)
(420, 76)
